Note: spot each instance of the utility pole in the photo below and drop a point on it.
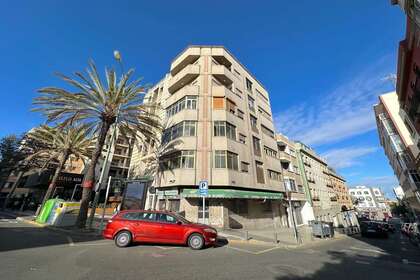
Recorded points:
(292, 216)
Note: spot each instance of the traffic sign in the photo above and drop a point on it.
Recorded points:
(203, 188)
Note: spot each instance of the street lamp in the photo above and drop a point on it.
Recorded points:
(111, 144)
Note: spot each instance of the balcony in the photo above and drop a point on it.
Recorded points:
(285, 157)
(222, 74)
(184, 77)
(188, 57)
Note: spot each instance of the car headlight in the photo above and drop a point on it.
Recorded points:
(210, 230)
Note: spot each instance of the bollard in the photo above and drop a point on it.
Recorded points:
(246, 235)
(275, 237)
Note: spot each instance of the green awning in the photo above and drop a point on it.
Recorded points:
(231, 193)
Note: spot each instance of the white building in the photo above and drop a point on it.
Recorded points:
(370, 202)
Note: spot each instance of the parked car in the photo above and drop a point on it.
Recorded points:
(414, 233)
(404, 228)
(157, 227)
(373, 229)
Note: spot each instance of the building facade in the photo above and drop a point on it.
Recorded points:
(340, 190)
(370, 202)
(399, 146)
(323, 205)
(218, 128)
(408, 71)
(292, 177)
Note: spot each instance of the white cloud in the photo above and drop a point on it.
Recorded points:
(342, 113)
(347, 157)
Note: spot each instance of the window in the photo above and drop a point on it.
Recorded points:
(270, 152)
(253, 121)
(409, 127)
(368, 198)
(359, 193)
(187, 102)
(260, 172)
(131, 216)
(147, 216)
(230, 106)
(181, 159)
(242, 138)
(218, 102)
(244, 166)
(232, 161)
(414, 176)
(191, 102)
(267, 131)
(164, 218)
(352, 193)
(290, 184)
(273, 175)
(230, 131)
(219, 159)
(187, 159)
(219, 128)
(366, 192)
(256, 145)
(189, 128)
(240, 114)
(222, 128)
(223, 159)
(236, 72)
(260, 94)
(300, 188)
(185, 128)
(248, 84)
(251, 103)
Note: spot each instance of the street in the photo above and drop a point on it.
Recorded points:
(30, 252)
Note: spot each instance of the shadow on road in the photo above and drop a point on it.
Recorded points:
(17, 237)
(373, 258)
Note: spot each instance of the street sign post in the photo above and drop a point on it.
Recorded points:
(203, 188)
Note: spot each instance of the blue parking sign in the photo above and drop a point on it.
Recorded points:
(203, 188)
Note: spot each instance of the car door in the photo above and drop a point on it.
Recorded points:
(171, 231)
(145, 226)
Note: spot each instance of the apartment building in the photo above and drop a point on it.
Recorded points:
(370, 202)
(399, 146)
(322, 204)
(291, 176)
(342, 197)
(219, 128)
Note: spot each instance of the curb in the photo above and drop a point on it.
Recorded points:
(31, 222)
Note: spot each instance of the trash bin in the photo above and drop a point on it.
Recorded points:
(322, 229)
(46, 210)
(64, 214)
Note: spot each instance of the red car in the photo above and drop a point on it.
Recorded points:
(157, 227)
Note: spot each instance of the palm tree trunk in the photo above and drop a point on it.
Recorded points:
(57, 172)
(89, 179)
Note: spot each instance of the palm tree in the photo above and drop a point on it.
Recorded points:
(99, 106)
(59, 146)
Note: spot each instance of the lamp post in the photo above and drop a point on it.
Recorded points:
(111, 144)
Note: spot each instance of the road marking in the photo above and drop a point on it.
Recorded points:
(70, 240)
(240, 250)
(368, 250)
(266, 250)
(362, 262)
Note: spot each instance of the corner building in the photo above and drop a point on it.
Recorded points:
(219, 128)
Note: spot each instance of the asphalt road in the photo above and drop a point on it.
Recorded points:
(30, 252)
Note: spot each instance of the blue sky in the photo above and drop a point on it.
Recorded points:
(323, 64)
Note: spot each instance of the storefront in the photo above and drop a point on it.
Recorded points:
(230, 208)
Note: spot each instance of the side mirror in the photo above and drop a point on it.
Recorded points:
(179, 223)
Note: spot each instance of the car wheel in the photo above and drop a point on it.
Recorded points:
(196, 241)
(123, 239)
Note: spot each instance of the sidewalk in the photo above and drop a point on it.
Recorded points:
(280, 236)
